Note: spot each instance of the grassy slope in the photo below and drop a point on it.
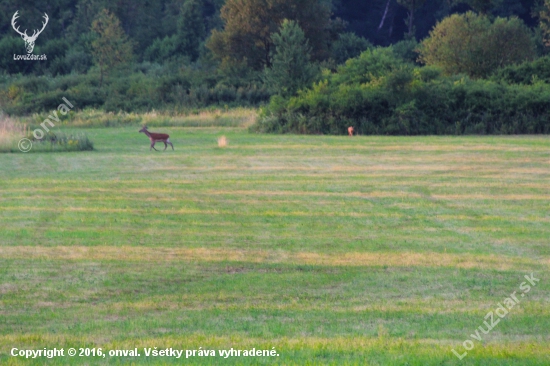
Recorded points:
(371, 250)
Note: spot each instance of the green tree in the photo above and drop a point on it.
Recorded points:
(544, 18)
(291, 68)
(191, 30)
(348, 45)
(479, 6)
(411, 6)
(112, 46)
(470, 43)
(249, 25)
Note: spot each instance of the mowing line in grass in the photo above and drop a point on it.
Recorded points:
(162, 254)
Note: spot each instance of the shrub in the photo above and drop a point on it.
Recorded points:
(149, 86)
(471, 44)
(62, 142)
(11, 132)
(527, 73)
(348, 45)
(407, 50)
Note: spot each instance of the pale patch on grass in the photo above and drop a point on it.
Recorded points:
(465, 147)
(187, 211)
(164, 254)
(200, 199)
(300, 167)
(374, 194)
(222, 141)
(209, 301)
(490, 218)
(529, 170)
(471, 159)
(6, 288)
(478, 184)
(503, 197)
(50, 305)
(364, 145)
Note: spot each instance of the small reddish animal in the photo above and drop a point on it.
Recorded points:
(351, 130)
(157, 137)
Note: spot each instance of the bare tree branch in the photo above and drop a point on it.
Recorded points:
(384, 16)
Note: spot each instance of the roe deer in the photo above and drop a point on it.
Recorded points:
(157, 137)
(350, 131)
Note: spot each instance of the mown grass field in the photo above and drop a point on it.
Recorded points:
(333, 250)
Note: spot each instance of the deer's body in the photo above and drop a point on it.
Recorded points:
(157, 137)
(351, 130)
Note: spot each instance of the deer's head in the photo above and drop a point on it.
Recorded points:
(29, 40)
(144, 129)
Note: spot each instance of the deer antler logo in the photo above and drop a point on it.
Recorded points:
(29, 40)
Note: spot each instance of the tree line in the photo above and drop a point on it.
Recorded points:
(143, 54)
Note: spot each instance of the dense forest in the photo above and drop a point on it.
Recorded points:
(316, 65)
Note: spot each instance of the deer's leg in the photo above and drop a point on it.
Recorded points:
(153, 146)
(165, 146)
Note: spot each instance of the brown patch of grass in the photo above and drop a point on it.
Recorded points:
(416, 146)
(368, 259)
(263, 302)
(188, 211)
(503, 197)
(7, 287)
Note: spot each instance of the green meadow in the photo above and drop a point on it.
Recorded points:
(333, 250)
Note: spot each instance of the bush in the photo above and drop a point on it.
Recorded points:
(11, 132)
(526, 73)
(167, 49)
(348, 45)
(407, 50)
(143, 88)
(471, 44)
(74, 61)
(62, 142)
